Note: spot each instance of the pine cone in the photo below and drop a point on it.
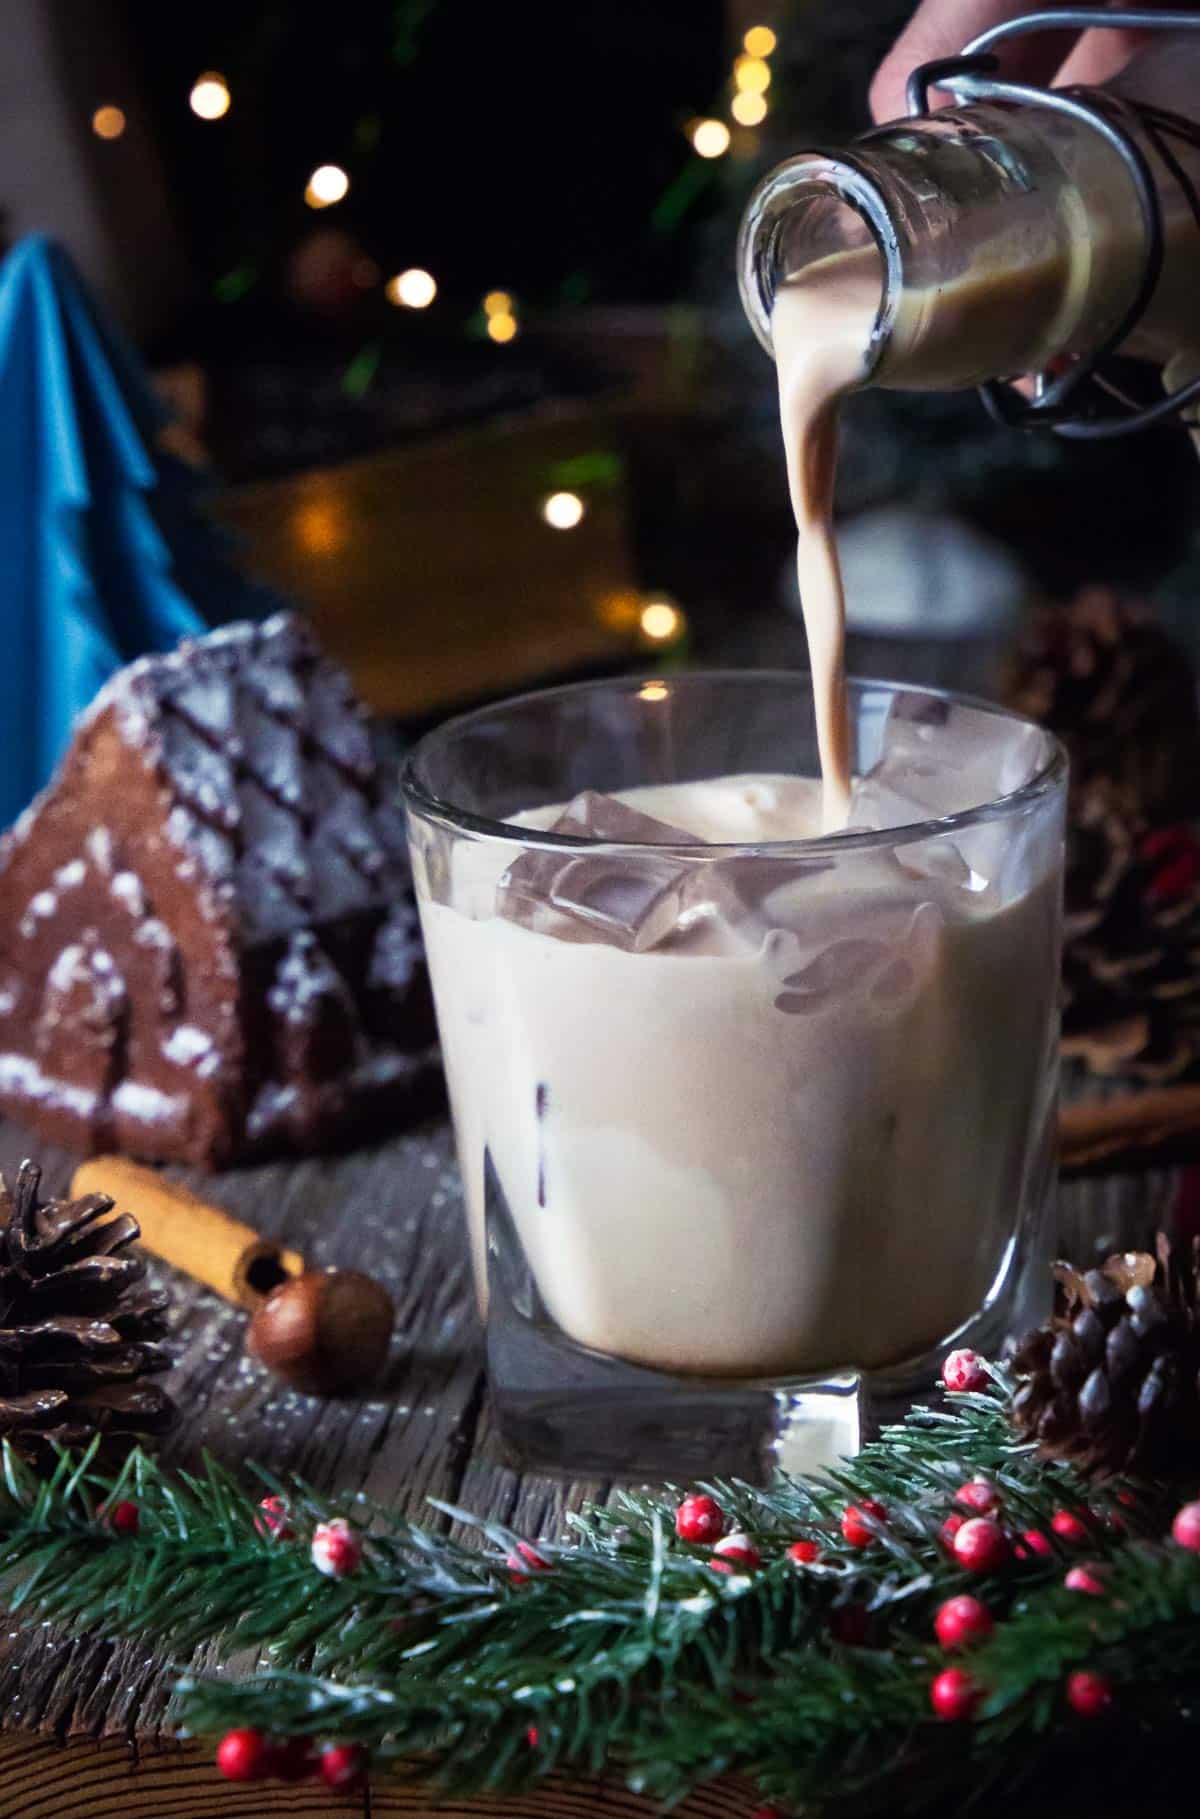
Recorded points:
(1112, 1381)
(1131, 1000)
(1119, 693)
(1114, 688)
(78, 1329)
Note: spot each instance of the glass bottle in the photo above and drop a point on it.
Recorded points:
(1007, 233)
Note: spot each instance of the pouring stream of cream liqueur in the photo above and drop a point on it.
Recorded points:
(821, 328)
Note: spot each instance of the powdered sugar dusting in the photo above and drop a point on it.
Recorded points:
(20, 1075)
(146, 1104)
(126, 887)
(99, 848)
(187, 1046)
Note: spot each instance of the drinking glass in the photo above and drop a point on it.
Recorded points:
(752, 1130)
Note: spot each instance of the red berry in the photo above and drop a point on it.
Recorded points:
(978, 1495)
(700, 1519)
(343, 1766)
(293, 1760)
(123, 1518)
(532, 1736)
(954, 1694)
(1089, 1694)
(1127, 1499)
(804, 1553)
(1034, 1542)
(1179, 870)
(1186, 1527)
(981, 1545)
(336, 1548)
(1088, 1579)
(950, 1528)
(962, 1621)
(525, 1560)
(964, 1370)
(849, 1625)
(242, 1755)
(856, 1531)
(739, 1550)
(272, 1520)
(1069, 1528)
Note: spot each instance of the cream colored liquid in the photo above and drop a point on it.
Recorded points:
(822, 326)
(707, 1175)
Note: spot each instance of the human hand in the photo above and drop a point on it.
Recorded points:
(940, 28)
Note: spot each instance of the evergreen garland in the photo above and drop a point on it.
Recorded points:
(628, 1652)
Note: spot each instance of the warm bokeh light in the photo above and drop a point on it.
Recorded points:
(414, 289)
(748, 110)
(108, 123)
(502, 326)
(752, 75)
(660, 621)
(621, 611)
(209, 98)
(653, 691)
(497, 303)
(760, 41)
(710, 138)
(319, 524)
(327, 185)
(563, 511)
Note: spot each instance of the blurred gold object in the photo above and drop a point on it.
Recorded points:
(752, 75)
(210, 98)
(563, 511)
(108, 122)
(327, 185)
(319, 525)
(748, 109)
(759, 41)
(622, 611)
(413, 289)
(710, 138)
(661, 621)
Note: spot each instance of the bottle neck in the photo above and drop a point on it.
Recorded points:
(1005, 235)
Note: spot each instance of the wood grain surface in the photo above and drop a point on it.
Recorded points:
(430, 572)
(46, 1780)
(396, 1211)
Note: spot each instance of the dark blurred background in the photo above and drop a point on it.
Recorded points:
(407, 269)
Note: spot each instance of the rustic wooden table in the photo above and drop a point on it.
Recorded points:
(430, 572)
(395, 1210)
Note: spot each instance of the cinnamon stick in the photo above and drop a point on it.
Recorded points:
(188, 1233)
(1136, 1131)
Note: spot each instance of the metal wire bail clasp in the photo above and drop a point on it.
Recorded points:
(1061, 401)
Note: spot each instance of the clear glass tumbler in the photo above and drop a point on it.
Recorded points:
(750, 1121)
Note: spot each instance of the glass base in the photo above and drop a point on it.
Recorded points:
(560, 1407)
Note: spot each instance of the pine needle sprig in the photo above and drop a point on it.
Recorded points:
(628, 1653)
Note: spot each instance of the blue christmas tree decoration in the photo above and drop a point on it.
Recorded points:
(104, 552)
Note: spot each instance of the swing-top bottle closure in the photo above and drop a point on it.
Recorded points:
(1027, 231)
